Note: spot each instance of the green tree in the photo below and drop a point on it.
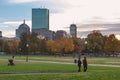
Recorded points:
(24, 40)
(37, 45)
(33, 43)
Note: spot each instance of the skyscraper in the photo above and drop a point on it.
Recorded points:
(40, 19)
(0, 34)
(73, 30)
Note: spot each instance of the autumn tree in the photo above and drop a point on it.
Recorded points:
(6, 47)
(63, 45)
(78, 44)
(51, 46)
(66, 45)
(111, 45)
(95, 42)
(1, 45)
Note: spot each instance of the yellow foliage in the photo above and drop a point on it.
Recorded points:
(61, 45)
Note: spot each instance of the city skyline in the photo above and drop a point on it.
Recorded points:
(62, 14)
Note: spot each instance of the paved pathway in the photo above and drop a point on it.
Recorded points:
(64, 63)
(26, 73)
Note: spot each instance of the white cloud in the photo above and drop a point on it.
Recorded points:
(76, 11)
(118, 36)
(22, 1)
(9, 27)
(8, 33)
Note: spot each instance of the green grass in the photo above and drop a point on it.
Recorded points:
(43, 67)
(58, 71)
(91, 60)
(94, 73)
(36, 67)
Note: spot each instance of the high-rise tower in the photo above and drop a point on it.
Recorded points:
(0, 34)
(73, 30)
(40, 19)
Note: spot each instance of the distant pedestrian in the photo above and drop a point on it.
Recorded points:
(85, 64)
(75, 61)
(79, 65)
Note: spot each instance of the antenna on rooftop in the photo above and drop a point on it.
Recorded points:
(24, 21)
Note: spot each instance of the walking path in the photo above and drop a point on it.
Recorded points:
(25, 73)
(64, 63)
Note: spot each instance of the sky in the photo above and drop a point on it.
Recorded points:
(84, 13)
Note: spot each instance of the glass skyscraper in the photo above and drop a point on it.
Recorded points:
(73, 30)
(40, 19)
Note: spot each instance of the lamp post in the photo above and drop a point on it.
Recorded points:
(86, 48)
(27, 52)
(85, 42)
(20, 51)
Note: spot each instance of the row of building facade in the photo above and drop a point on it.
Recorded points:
(40, 25)
(46, 33)
(0, 34)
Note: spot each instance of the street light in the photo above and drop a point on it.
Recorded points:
(20, 51)
(85, 43)
(27, 52)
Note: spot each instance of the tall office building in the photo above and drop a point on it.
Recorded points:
(60, 34)
(0, 34)
(73, 30)
(40, 19)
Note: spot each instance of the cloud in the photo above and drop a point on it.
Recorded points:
(55, 6)
(8, 33)
(8, 27)
(106, 29)
(22, 1)
(118, 36)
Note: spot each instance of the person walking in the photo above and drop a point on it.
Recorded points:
(79, 65)
(85, 64)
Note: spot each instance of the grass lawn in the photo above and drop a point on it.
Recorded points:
(91, 60)
(36, 67)
(52, 71)
(93, 73)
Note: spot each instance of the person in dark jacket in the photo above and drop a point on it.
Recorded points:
(85, 64)
(79, 65)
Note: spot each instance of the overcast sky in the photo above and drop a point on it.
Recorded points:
(62, 14)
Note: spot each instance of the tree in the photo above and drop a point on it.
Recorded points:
(64, 45)
(67, 45)
(6, 47)
(51, 46)
(111, 45)
(15, 46)
(78, 44)
(95, 42)
(34, 43)
(1, 45)
(24, 40)
(42, 46)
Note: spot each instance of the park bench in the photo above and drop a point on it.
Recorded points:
(11, 62)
